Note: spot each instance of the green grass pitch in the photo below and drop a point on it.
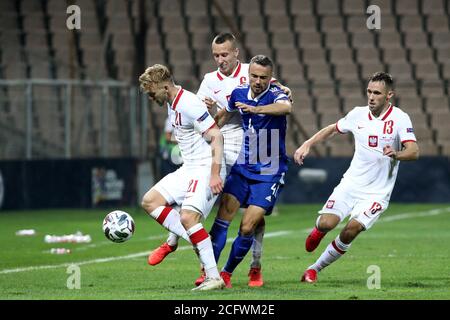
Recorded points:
(410, 244)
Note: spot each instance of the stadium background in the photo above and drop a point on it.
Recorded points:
(75, 132)
(72, 94)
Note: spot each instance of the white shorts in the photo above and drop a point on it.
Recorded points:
(346, 201)
(189, 188)
(232, 147)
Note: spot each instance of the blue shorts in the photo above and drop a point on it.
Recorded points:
(253, 192)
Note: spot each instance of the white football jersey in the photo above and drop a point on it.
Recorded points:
(370, 171)
(190, 119)
(217, 86)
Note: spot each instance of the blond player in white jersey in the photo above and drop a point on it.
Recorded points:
(215, 91)
(384, 136)
(196, 185)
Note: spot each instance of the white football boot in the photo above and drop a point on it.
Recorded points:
(210, 284)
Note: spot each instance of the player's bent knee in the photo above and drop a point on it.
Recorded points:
(148, 205)
(247, 230)
(327, 223)
(189, 218)
(150, 202)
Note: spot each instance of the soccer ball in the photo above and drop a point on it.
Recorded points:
(118, 226)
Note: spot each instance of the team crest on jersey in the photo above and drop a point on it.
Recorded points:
(330, 204)
(203, 117)
(373, 141)
(409, 130)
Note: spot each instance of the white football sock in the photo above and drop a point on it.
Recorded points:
(333, 252)
(170, 219)
(202, 242)
(257, 247)
(172, 239)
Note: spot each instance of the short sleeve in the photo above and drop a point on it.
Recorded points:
(406, 130)
(200, 117)
(279, 95)
(204, 91)
(346, 124)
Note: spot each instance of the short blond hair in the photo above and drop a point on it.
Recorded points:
(155, 74)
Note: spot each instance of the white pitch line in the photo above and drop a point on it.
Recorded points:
(106, 243)
(432, 212)
(130, 256)
(401, 216)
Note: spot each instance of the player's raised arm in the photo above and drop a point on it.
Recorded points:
(322, 135)
(215, 139)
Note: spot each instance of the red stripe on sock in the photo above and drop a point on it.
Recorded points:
(336, 248)
(163, 215)
(199, 236)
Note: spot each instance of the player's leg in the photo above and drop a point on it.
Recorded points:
(337, 207)
(172, 238)
(231, 198)
(201, 241)
(325, 223)
(197, 206)
(257, 245)
(255, 273)
(243, 242)
(229, 205)
(336, 249)
(364, 215)
(234, 194)
(156, 203)
(262, 197)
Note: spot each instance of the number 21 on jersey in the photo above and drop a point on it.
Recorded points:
(192, 186)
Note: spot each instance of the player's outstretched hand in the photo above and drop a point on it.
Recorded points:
(301, 153)
(390, 152)
(216, 184)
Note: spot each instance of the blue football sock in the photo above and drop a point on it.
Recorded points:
(241, 246)
(218, 235)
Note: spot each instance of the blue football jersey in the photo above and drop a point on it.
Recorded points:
(263, 153)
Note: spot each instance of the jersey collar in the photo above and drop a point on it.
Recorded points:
(177, 98)
(234, 74)
(256, 99)
(385, 115)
